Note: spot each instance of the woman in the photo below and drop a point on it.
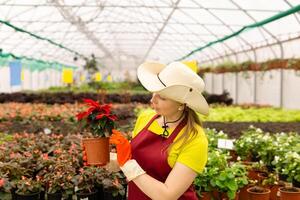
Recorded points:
(169, 147)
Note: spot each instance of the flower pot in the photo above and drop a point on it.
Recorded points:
(233, 156)
(108, 196)
(258, 193)
(97, 150)
(292, 193)
(54, 196)
(254, 66)
(243, 195)
(225, 197)
(274, 191)
(33, 196)
(87, 196)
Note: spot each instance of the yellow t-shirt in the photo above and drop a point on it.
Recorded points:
(193, 154)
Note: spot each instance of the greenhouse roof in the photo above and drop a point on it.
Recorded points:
(125, 33)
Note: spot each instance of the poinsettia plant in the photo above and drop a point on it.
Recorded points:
(98, 118)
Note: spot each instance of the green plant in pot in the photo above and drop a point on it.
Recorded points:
(85, 182)
(230, 180)
(249, 143)
(217, 161)
(28, 188)
(5, 187)
(114, 186)
(289, 165)
(99, 120)
(58, 180)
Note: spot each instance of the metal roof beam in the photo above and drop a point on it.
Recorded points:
(161, 29)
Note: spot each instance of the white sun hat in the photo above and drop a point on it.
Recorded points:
(174, 81)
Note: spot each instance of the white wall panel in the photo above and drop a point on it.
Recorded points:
(217, 83)
(229, 85)
(268, 87)
(208, 82)
(291, 89)
(245, 87)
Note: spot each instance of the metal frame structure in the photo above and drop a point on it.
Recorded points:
(165, 30)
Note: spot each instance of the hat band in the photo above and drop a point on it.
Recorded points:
(160, 80)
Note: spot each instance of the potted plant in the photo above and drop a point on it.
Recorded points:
(230, 180)
(5, 187)
(27, 189)
(272, 182)
(100, 122)
(58, 181)
(289, 193)
(288, 165)
(258, 193)
(114, 186)
(85, 183)
(204, 184)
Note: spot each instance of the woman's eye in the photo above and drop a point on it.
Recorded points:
(162, 98)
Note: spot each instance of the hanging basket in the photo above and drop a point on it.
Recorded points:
(97, 150)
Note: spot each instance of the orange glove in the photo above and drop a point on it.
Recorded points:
(130, 167)
(122, 145)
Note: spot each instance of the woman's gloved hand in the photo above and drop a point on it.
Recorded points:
(130, 167)
(122, 145)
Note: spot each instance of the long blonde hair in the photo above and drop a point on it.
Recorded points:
(190, 130)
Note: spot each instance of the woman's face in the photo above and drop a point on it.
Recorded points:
(163, 106)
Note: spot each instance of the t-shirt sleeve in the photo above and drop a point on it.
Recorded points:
(194, 154)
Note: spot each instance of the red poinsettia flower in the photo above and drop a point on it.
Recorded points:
(109, 116)
(99, 113)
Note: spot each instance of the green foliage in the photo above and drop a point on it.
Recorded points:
(218, 174)
(239, 114)
(27, 186)
(5, 138)
(108, 87)
(114, 182)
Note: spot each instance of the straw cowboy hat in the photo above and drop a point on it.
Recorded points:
(174, 81)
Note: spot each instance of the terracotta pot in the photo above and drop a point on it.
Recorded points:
(262, 176)
(243, 194)
(97, 150)
(293, 194)
(254, 66)
(256, 195)
(233, 156)
(277, 64)
(274, 191)
(225, 197)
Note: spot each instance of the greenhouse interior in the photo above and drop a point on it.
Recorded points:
(117, 100)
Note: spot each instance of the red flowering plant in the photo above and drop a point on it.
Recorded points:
(98, 118)
(5, 186)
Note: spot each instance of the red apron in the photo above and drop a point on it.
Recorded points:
(149, 150)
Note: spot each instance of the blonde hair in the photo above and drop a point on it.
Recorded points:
(190, 130)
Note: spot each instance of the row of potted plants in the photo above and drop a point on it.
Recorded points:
(252, 167)
(67, 112)
(252, 66)
(52, 164)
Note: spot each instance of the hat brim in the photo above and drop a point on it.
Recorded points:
(147, 74)
(195, 99)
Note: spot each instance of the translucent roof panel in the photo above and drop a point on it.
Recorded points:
(166, 30)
